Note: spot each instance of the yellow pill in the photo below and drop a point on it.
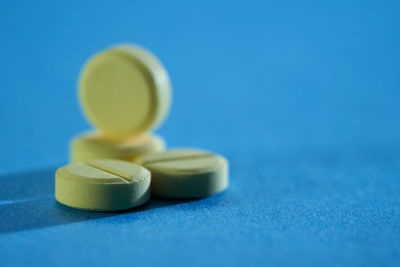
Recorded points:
(102, 185)
(91, 145)
(124, 91)
(186, 173)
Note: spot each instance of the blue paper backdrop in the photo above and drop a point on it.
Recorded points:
(301, 96)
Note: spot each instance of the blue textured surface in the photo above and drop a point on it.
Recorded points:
(302, 98)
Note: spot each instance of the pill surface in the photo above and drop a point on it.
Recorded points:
(186, 173)
(102, 185)
(124, 91)
(91, 145)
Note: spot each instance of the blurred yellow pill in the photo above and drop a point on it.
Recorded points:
(92, 145)
(186, 173)
(124, 91)
(102, 185)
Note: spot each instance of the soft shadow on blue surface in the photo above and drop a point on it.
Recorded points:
(27, 202)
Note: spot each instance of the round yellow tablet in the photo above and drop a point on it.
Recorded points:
(92, 145)
(186, 173)
(124, 91)
(102, 185)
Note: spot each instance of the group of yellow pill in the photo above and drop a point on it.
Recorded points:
(125, 93)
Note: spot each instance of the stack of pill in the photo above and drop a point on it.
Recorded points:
(125, 93)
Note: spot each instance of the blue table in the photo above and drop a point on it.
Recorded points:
(302, 98)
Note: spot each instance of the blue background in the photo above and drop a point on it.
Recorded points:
(301, 97)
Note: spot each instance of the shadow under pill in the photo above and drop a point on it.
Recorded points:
(27, 202)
